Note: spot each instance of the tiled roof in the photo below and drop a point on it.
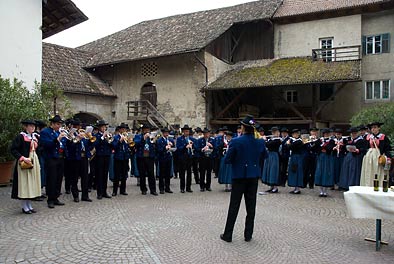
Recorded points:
(175, 34)
(64, 67)
(291, 71)
(291, 8)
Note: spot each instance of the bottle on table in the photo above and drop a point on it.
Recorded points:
(385, 184)
(376, 183)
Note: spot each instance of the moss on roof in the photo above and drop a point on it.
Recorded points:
(290, 71)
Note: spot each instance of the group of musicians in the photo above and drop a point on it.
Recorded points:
(297, 157)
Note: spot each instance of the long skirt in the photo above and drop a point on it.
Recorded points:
(337, 166)
(27, 183)
(296, 171)
(271, 169)
(135, 171)
(351, 171)
(324, 175)
(225, 174)
(371, 167)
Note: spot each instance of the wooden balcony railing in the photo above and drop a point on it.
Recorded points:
(337, 54)
(143, 110)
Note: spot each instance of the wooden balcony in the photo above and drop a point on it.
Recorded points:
(337, 54)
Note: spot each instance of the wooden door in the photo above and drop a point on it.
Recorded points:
(148, 92)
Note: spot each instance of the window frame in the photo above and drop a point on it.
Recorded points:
(327, 56)
(373, 89)
(292, 92)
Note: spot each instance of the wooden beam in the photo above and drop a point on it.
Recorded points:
(292, 107)
(330, 99)
(236, 99)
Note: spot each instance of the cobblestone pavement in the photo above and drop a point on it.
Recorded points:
(185, 228)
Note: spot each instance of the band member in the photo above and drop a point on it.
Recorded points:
(338, 153)
(225, 169)
(205, 146)
(103, 152)
(185, 149)
(364, 131)
(196, 157)
(146, 154)
(271, 164)
(40, 125)
(356, 148)
(93, 164)
(296, 163)
(239, 131)
(26, 184)
(311, 158)
(324, 176)
(53, 143)
(165, 149)
(284, 153)
(121, 160)
(378, 158)
(76, 157)
(218, 149)
(67, 174)
(244, 154)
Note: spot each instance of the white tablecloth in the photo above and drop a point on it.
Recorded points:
(364, 202)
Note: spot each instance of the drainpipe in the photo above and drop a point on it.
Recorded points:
(203, 89)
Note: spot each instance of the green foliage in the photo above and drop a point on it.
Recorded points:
(18, 103)
(377, 113)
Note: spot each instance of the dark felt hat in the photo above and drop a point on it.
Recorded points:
(28, 122)
(375, 124)
(363, 127)
(248, 121)
(353, 129)
(147, 126)
(313, 129)
(229, 133)
(295, 130)
(284, 129)
(338, 130)
(198, 129)
(325, 130)
(273, 129)
(56, 119)
(101, 123)
(41, 123)
(124, 125)
(165, 130)
(76, 122)
(186, 127)
(206, 130)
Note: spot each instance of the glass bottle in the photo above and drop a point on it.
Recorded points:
(376, 183)
(385, 184)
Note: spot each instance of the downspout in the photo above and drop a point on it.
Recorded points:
(203, 89)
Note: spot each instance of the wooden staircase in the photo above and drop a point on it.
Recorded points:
(143, 112)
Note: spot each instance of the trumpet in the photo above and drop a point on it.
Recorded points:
(153, 136)
(70, 135)
(128, 138)
(87, 135)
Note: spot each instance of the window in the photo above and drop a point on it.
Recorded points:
(291, 96)
(326, 91)
(376, 44)
(377, 90)
(326, 43)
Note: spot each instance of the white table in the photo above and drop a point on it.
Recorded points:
(364, 202)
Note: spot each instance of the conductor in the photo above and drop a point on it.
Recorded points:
(244, 154)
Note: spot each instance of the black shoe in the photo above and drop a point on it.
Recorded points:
(143, 193)
(154, 193)
(209, 189)
(275, 191)
(161, 192)
(292, 192)
(107, 196)
(169, 191)
(57, 202)
(189, 191)
(33, 211)
(51, 205)
(297, 192)
(124, 193)
(76, 199)
(197, 182)
(269, 190)
(26, 212)
(39, 199)
(202, 190)
(225, 239)
(86, 200)
(182, 191)
(113, 194)
(321, 195)
(99, 197)
(247, 239)
(68, 192)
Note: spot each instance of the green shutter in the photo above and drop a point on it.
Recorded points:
(386, 43)
(364, 45)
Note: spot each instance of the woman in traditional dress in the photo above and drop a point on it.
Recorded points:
(296, 163)
(225, 175)
(356, 147)
(26, 182)
(379, 145)
(271, 169)
(324, 176)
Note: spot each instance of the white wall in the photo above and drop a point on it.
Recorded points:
(21, 38)
(298, 39)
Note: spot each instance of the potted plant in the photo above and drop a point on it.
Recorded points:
(16, 103)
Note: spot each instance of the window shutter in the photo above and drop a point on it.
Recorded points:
(386, 43)
(364, 45)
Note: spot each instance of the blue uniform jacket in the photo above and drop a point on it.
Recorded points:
(201, 143)
(162, 153)
(103, 148)
(51, 146)
(122, 151)
(284, 150)
(244, 154)
(74, 150)
(182, 151)
(140, 146)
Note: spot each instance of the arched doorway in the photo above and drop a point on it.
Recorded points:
(148, 92)
(87, 118)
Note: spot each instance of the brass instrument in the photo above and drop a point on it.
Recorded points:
(153, 136)
(108, 135)
(128, 137)
(87, 135)
(257, 134)
(69, 134)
